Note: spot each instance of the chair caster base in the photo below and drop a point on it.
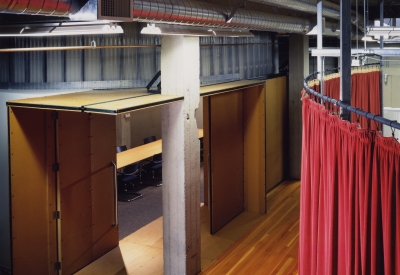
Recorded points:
(128, 197)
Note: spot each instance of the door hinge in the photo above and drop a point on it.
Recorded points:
(57, 215)
(57, 265)
(54, 115)
(56, 167)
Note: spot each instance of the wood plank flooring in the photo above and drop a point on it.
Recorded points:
(271, 246)
(250, 244)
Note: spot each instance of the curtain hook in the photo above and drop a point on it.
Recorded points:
(393, 129)
(376, 123)
(368, 121)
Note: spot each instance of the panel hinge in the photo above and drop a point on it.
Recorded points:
(57, 215)
(57, 265)
(56, 167)
(54, 115)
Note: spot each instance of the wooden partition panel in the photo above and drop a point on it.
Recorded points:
(206, 147)
(254, 149)
(103, 144)
(276, 113)
(76, 198)
(32, 192)
(226, 129)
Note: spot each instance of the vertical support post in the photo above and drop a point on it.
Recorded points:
(44, 71)
(320, 28)
(64, 59)
(180, 66)
(82, 60)
(381, 19)
(299, 68)
(275, 54)
(381, 15)
(101, 59)
(345, 54)
(27, 57)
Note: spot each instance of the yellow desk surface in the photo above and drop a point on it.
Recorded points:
(115, 102)
(111, 102)
(142, 152)
(229, 86)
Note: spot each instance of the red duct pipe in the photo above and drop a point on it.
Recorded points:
(39, 7)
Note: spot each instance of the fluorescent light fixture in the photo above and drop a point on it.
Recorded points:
(325, 31)
(386, 32)
(151, 29)
(169, 29)
(59, 29)
(368, 39)
(356, 62)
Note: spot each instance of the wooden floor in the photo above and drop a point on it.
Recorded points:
(250, 244)
(271, 246)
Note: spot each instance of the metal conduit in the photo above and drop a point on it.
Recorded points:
(196, 13)
(329, 9)
(39, 7)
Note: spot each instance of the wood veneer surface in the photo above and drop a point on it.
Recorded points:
(271, 239)
(271, 246)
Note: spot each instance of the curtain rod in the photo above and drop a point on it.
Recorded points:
(332, 70)
(382, 120)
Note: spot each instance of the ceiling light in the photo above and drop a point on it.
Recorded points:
(59, 29)
(169, 29)
(368, 39)
(151, 29)
(383, 31)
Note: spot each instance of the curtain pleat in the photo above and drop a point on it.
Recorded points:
(365, 94)
(350, 197)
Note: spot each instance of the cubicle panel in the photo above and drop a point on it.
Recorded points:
(52, 190)
(75, 184)
(32, 192)
(103, 152)
(206, 146)
(254, 149)
(226, 128)
(276, 114)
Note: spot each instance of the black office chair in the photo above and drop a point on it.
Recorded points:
(155, 165)
(126, 179)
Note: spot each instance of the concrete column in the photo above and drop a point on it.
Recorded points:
(180, 75)
(298, 69)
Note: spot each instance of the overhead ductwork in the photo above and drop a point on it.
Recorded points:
(196, 13)
(39, 7)
(329, 9)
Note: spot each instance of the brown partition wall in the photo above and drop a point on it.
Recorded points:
(32, 191)
(276, 115)
(234, 154)
(75, 190)
(226, 148)
(254, 149)
(81, 188)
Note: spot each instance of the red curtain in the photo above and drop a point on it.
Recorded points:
(365, 94)
(350, 197)
(332, 89)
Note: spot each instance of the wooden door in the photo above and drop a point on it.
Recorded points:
(86, 151)
(104, 215)
(75, 190)
(276, 115)
(226, 158)
(32, 190)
